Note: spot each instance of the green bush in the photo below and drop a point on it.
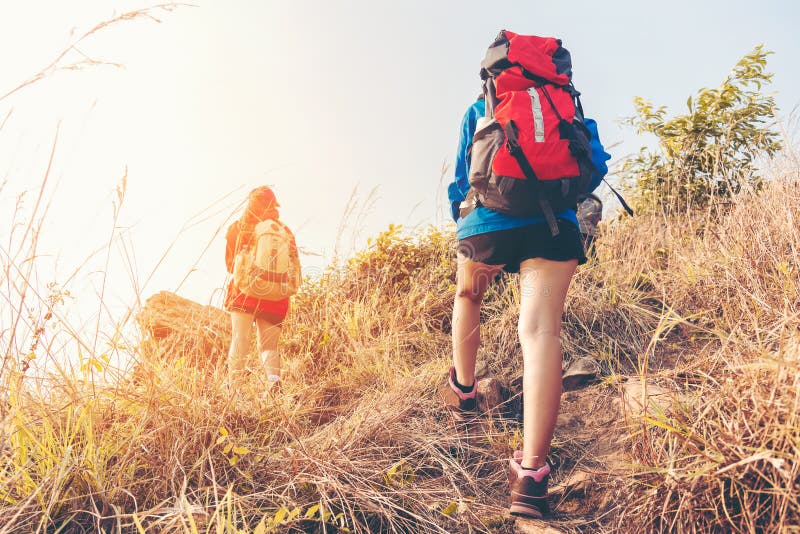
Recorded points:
(711, 151)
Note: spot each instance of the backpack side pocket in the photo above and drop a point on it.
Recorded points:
(486, 142)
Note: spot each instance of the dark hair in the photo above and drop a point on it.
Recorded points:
(261, 205)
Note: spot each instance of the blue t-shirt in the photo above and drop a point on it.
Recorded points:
(482, 220)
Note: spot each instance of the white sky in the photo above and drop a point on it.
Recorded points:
(314, 98)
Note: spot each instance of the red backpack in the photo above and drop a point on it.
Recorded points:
(530, 154)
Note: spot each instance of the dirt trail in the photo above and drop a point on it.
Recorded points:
(589, 453)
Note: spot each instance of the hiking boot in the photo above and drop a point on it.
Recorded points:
(528, 489)
(514, 465)
(462, 404)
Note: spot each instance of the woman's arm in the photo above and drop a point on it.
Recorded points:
(457, 190)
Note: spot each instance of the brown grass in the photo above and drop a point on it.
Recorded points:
(706, 307)
(725, 457)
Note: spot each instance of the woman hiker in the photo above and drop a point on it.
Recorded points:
(489, 242)
(246, 308)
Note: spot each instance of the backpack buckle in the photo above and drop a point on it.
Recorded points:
(511, 138)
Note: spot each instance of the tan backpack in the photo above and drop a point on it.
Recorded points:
(268, 268)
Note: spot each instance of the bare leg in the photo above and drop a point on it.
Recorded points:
(241, 341)
(268, 334)
(543, 285)
(472, 279)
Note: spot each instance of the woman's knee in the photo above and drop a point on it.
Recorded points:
(471, 283)
(269, 344)
(533, 331)
(241, 337)
(268, 336)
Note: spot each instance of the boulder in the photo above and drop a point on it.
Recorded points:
(580, 372)
(638, 396)
(491, 394)
(173, 327)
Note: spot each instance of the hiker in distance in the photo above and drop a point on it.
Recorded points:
(525, 154)
(261, 254)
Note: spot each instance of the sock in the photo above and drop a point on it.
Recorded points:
(531, 468)
(464, 389)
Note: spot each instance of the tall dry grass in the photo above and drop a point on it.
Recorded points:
(726, 456)
(706, 306)
(359, 441)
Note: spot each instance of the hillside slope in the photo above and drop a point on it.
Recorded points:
(687, 419)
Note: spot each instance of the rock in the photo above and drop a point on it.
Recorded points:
(174, 327)
(532, 526)
(580, 372)
(636, 396)
(490, 394)
(577, 482)
(565, 420)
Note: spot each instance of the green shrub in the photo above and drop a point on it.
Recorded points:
(710, 152)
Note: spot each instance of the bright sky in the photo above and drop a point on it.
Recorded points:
(318, 99)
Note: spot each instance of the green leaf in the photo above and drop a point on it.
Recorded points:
(450, 509)
(393, 470)
(324, 514)
(281, 515)
(312, 511)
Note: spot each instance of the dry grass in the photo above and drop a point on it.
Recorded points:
(725, 457)
(706, 307)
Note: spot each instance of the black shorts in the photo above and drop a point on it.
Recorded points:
(512, 247)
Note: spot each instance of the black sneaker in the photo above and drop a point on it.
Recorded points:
(528, 489)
